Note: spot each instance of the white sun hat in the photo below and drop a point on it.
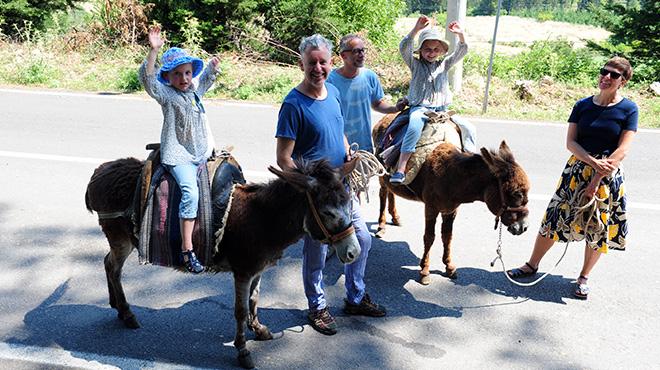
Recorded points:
(431, 33)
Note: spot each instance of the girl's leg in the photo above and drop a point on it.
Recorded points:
(412, 135)
(468, 133)
(186, 177)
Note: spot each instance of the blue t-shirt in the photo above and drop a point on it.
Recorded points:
(357, 95)
(317, 126)
(599, 128)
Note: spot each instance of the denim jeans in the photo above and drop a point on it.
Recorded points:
(185, 175)
(416, 125)
(314, 254)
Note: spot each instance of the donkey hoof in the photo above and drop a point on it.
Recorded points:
(396, 221)
(263, 334)
(245, 359)
(130, 322)
(380, 233)
(452, 274)
(425, 279)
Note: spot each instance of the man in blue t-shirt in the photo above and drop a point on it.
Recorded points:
(360, 91)
(310, 125)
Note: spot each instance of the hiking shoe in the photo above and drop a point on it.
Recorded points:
(397, 178)
(365, 308)
(191, 262)
(322, 321)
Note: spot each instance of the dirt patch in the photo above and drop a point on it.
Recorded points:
(514, 34)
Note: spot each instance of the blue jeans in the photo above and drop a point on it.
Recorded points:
(185, 175)
(314, 254)
(416, 125)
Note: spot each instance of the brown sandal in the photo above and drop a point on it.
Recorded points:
(520, 273)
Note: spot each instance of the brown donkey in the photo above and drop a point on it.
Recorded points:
(264, 219)
(449, 178)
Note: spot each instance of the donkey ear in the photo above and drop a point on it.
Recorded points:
(299, 181)
(505, 152)
(490, 160)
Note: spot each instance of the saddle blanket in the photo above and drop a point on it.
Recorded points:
(160, 234)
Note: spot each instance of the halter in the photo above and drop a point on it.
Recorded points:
(329, 239)
(504, 207)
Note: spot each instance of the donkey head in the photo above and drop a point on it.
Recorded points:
(507, 198)
(328, 215)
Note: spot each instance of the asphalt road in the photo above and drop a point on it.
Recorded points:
(53, 296)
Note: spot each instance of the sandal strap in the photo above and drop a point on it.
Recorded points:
(531, 267)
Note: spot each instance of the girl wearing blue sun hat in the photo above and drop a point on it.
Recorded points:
(185, 139)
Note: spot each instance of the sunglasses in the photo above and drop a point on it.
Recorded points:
(356, 51)
(613, 75)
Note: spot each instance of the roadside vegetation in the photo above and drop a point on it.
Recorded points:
(97, 46)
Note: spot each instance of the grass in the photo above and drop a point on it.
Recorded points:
(115, 70)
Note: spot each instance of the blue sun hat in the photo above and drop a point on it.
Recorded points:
(175, 57)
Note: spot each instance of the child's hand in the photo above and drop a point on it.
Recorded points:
(422, 22)
(214, 63)
(155, 39)
(454, 27)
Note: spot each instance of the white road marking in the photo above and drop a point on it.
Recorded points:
(52, 357)
(264, 106)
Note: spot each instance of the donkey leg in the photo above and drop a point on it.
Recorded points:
(261, 331)
(431, 215)
(121, 244)
(391, 203)
(242, 294)
(446, 230)
(382, 219)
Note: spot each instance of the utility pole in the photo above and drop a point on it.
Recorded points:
(456, 10)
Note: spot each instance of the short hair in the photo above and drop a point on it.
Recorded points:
(343, 43)
(623, 65)
(315, 41)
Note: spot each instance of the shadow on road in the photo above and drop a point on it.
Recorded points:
(192, 334)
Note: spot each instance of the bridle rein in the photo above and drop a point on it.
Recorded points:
(504, 207)
(329, 239)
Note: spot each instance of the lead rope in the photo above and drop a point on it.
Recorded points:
(588, 207)
(367, 167)
(499, 257)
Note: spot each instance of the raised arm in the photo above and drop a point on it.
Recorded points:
(209, 75)
(147, 71)
(406, 45)
(156, 42)
(461, 48)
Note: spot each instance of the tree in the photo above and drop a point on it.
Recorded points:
(17, 14)
(639, 29)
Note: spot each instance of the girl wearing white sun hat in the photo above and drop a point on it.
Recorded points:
(429, 87)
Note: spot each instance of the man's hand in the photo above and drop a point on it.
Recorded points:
(401, 104)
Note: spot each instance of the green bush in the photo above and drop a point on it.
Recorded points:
(36, 72)
(128, 80)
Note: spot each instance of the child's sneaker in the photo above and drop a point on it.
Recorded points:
(191, 262)
(397, 178)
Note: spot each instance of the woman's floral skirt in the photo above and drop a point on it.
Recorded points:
(603, 224)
